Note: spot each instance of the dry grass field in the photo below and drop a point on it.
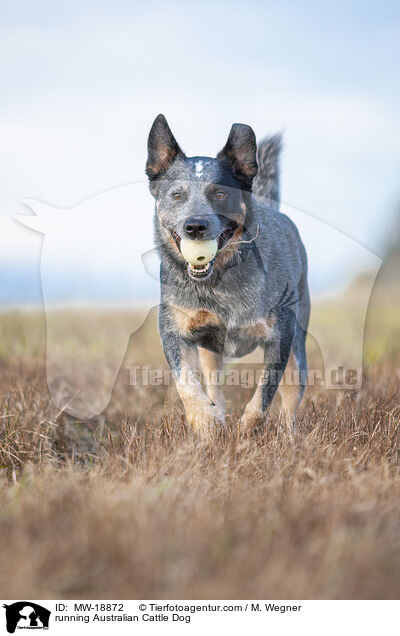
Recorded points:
(131, 505)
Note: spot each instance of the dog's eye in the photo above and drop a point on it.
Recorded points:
(177, 196)
(220, 195)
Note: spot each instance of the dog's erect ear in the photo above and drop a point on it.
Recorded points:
(241, 152)
(162, 148)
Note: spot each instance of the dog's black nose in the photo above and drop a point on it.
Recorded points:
(196, 228)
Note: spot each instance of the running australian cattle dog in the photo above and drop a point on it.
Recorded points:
(254, 290)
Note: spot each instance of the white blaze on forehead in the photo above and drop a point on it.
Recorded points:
(199, 166)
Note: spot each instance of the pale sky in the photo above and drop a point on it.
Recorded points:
(82, 82)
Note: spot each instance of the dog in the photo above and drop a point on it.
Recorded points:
(252, 292)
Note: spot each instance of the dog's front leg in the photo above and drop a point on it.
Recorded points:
(201, 411)
(276, 355)
(210, 365)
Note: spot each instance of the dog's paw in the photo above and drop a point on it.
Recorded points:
(205, 420)
(252, 419)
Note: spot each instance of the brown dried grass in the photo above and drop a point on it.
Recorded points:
(122, 507)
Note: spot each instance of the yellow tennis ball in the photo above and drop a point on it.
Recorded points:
(198, 253)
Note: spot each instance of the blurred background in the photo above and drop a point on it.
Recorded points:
(82, 83)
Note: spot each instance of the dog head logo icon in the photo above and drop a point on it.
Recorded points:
(26, 615)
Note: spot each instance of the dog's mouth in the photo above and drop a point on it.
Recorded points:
(202, 272)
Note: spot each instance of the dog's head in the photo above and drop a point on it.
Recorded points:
(200, 201)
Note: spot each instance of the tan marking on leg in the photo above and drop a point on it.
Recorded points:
(290, 391)
(201, 415)
(253, 413)
(210, 364)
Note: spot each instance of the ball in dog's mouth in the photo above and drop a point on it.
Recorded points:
(198, 253)
(200, 256)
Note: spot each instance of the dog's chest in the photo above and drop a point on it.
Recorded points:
(239, 345)
(243, 337)
(234, 338)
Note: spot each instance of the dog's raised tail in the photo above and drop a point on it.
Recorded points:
(267, 182)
